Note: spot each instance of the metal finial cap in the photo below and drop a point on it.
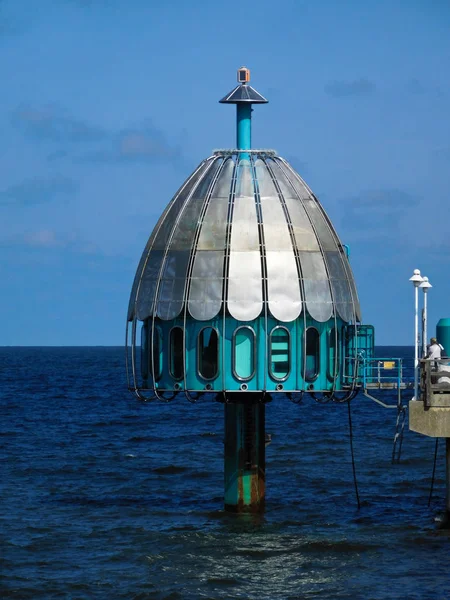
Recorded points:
(243, 92)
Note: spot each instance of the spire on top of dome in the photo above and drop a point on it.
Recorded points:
(243, 92)
(243, 96)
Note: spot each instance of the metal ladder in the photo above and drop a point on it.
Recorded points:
(372, 379)
(398, 435)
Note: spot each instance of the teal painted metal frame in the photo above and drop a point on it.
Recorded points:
(262, 379)
(244, 126)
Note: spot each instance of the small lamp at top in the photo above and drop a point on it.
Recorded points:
(416, 278)
(425, 285)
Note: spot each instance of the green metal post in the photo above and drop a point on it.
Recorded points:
(244, 127)
(443, 334)
(245, 456)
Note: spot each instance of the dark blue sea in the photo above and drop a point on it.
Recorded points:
(102, 496)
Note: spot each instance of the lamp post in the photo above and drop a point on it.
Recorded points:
(417, 280)
(425, 285)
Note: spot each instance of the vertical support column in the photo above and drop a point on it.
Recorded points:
(416, 340)
(446, 520)
(245, 456)
(425, 324)
(244, 126)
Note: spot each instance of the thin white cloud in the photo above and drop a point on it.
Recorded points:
(38, 190)
(357, 87)
(49, 123)
(50, 239)
(44, 238)
(84, 142)
(145, 144)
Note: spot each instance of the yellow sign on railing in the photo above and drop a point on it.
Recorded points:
(389, 364)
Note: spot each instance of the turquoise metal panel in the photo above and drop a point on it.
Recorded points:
(320, 382)
(164, 380)
(244, 127)
(334, 355)
(359, 344)
(228, 379)
(262, 366)
(298, 333)
(443, 335)
(232, 381)
(194, 380)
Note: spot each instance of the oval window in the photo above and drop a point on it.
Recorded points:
(208, 353)
(157, 353)
(280, 353)
(244, 353)
(176, 351)
(333, 354)
(144, 350)
(312, 358)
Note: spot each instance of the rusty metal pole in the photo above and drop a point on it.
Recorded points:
(245, 456)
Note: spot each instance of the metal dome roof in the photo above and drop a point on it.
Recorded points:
(245, 232)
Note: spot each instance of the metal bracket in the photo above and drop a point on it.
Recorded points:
(383, 404)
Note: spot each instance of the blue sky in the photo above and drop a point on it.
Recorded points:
(108, 105)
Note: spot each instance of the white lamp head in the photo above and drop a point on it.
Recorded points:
(416, 278)
(425, 285)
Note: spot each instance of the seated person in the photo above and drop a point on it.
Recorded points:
(434, 350)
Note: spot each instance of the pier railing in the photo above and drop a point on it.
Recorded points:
(381, 379)
(380, 373)
(435, 382)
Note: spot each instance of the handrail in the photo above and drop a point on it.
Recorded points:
(384, 373)
(379, 370)
(433, 389)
